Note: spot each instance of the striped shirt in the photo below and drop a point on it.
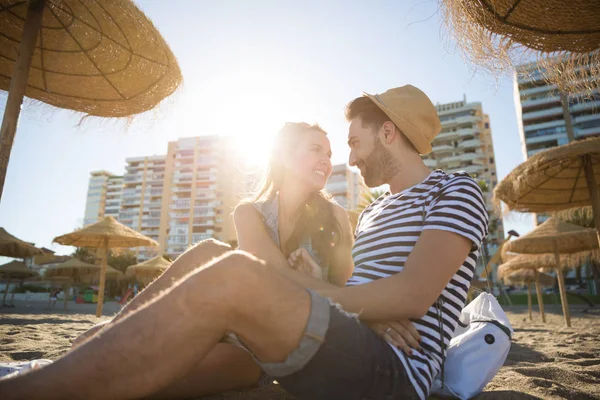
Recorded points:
(386, 233)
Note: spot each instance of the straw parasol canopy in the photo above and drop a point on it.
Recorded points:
(112, 274)
(17, 270)
(102, 58)
(554, 179)
(527, 277)
(561, 35)
(554, 236)
(12, 247)
(104, 234)
(148, 270)
(73, 268)
(14, 270)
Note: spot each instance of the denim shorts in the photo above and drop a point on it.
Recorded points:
(341, 358)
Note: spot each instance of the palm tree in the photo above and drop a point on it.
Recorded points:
(368, 197)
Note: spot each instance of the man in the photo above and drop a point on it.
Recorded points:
(414, 255)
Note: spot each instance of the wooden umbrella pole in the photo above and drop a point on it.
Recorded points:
(538, 291)
(66, 289)
(561, 287)
(102, 279)
(529, 300)
(590, 177)
(5, 293)
(18, 83)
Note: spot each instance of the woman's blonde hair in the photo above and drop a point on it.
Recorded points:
(316, 219)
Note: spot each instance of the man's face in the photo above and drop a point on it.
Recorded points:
(375, 162)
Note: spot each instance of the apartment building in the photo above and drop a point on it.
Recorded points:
(114, 191)
(465, 144)
(346, 186)
(96, 196)
(142, 196)
(205, 186)
(544, 117)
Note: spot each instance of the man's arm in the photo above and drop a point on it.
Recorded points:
(436, 257)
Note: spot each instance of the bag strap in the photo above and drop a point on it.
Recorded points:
(439, 303)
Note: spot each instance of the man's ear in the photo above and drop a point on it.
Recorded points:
(389, 133)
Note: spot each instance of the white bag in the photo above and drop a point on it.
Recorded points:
(477, 351)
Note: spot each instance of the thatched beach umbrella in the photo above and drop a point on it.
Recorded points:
(102, 58)
(497, 34)
(556, 237)
(74, 269)
(532, 263)
(148, 270)
(14, 270)
(527, 277)
(12, 247)
(105, 234)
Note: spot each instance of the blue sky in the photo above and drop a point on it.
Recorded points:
(249, 66)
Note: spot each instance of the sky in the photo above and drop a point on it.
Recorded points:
(249, 66)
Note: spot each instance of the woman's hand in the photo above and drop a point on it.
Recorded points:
(302, 262)
(401, 334)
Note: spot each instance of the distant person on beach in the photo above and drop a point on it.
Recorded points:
(53, 296)
(414, 257)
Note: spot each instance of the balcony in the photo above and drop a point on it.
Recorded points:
(198, 237)
(473, 169)
(525, 104)
(205, 222)
(181, 204)
(550, 112)
(469, 144)
(537, 90)
(430, 163)
(442, 148)
(130, 202)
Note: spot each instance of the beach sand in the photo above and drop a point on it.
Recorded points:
(546, 361)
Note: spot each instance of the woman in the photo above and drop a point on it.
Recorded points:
(289, 220)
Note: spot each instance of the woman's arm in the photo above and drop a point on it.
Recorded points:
(254, 238)
(342, 264)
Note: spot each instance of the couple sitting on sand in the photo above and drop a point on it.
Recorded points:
(328, 314)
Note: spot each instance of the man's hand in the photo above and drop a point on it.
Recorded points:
(302, 262)
(401, 334)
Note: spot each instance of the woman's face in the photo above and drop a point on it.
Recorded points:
(311, 160)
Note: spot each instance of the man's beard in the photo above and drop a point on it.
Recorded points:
(379, 166)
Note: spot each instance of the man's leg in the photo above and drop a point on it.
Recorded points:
(196, 256)
(160, 342)
(226, 367)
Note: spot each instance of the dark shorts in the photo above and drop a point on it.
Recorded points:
(341, 358)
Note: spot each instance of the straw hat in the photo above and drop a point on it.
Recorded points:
(108, 229)
(12, 247)
(103, 58)
(567, 238)
(551, 180)
(412, 112)
(501, 33)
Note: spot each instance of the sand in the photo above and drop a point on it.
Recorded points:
(546, 361)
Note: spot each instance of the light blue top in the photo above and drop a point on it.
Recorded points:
(269, 210)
